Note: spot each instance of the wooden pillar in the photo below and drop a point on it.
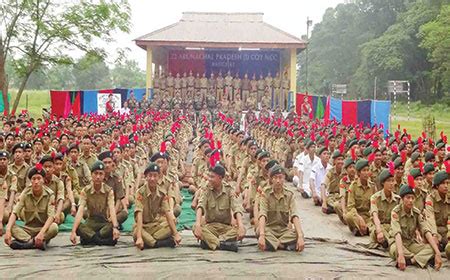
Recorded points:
(293, 74)
(149, 73)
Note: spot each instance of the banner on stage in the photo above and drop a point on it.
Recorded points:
(102, 98)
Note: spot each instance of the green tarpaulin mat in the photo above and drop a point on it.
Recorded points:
(185, 220)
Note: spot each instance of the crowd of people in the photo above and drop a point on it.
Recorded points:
(387, 185)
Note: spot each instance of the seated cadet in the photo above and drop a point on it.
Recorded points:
(262, 186)
(155, 223)
(358, 203)
(101, 226)
(330, 195)
(437, 211)
(340, 207)
(37, 203)
(8, 188)
(277, 210)
(69, 205)
(381, 205)
(218, 203)
(406, 224)
(171, 187)
(55, 184)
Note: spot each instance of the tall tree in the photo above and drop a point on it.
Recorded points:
(127, 74)
(40, 32)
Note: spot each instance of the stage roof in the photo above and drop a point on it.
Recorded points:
(221, 30)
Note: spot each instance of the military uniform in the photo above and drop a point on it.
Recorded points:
(83, 172)
(332, 180)
(21, 173)
(6, 188)
(437, 211)
(36, 211)
(218, 209)
(383, 206)
(153, 207)
(115, 182)
(358, 203)
(279, 212)
(406, 225)
(89, 160)
(97, 204)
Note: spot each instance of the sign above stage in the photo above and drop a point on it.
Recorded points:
(214, 61)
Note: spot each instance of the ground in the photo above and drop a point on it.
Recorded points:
(331, 252)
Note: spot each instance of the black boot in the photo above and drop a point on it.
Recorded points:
(291, 246)
(228, 246)
(19, 245)
(168, 242)
(109, 241)
(203, 245)
(385, 244)
(269, 247)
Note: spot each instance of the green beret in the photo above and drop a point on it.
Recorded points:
(367, 131)
(4, 154)
(73, 146)
(414, 156)
(367, 151)
(218, 169)
(427, 168)
(203, 142)
(439, 178)
(159, 155)
(322, 150)
(384, 175)
(34, 170)
(362, 142)
(429, 156)
(405, 189)
(348, 162)
(46, 158)
(361, 163)
(151, 167)
(98, 165)
(398, 162)
(352, 143)
(105, 154)
(18, 146)
(440, 145)
(275, 170)
(337, 154)
(309, 144)
(271, 163)
(263, 154)
(415, 172)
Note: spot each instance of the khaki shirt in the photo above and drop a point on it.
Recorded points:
(57, 187)
(90, 160)
(279, 209)
(359, 198)
(72, 172)
(36, 210)
(374, 172)
(21, 173)
(152, 205)
(332, 180)
(116, 183)
(421, 196)
(11, 184)
(383, 206)
(407, 223)
(99, 202)
(218, 207)
(84, 174)
(437, 211)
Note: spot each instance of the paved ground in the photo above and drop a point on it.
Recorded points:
(331, 253)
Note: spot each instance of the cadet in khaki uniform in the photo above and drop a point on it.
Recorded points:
(218, 204)
(340, 207)
(358, 203)
(19, 167)
(332, 179)
(406, 221)
(55, 184)
(277, 211)
(437, 211)
(101, 226)
(155, 223)
(8, 188)
(381, 205)
(37, 203)
(420, 189)
(87, 156)
(84, 175)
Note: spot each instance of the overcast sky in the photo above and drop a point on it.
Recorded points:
(149, 15)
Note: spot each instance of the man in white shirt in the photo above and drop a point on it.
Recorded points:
(304, 169)
(124, 110)
(318, 173)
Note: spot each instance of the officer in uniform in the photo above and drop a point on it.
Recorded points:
(155, 223)
(37, 203)
(277, 211)
(381, 205)
(406, 221)
(101, 226)
(218, 204)
(358, 203)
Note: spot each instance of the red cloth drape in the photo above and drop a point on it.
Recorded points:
(349, 112)
(58, 101)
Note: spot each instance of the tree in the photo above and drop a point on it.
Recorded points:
(127, 74)
(41, 32)
(435, 37)
(91, 72)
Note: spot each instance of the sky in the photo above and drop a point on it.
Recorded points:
(150, 15)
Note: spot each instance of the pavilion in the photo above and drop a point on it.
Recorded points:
(232, 33)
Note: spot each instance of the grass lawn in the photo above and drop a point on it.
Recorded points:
(37, 99)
